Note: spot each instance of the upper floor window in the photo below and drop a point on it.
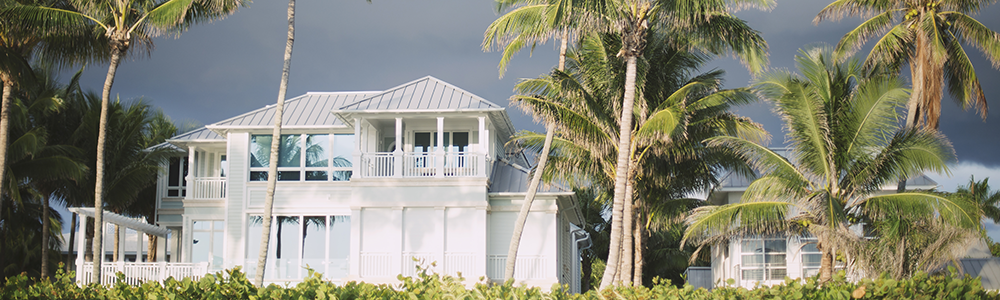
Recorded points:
(453, 141)
(177, 171)
(310, 157)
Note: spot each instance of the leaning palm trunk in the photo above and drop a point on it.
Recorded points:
(272, 171)
(529, 196)
(925, 74)
(628, 245)
(638, 235)
(72, 239)
(118, 47)
(8, 85)
(621, 170)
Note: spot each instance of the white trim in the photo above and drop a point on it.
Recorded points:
(113, 218)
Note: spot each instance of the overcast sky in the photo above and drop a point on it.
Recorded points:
(222, 69)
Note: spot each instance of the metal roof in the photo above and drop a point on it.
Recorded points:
(988, 269)
(426, 93)
(311, 109)
(200, 134)
(511, 178)
(133, 223)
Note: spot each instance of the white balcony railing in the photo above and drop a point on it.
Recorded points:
(206, 188)
(376, 264)
(464, 262)
(527, 267)
(421, 164)
(138, 272)
(413, 259)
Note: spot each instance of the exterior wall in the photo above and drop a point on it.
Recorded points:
(235, 218)
(538, 259)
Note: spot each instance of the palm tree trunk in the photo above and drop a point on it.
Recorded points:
(628, 245)
(8, 87)
(272, 171)
(72, 239)
(45, 235)
(117, 48)
(587, 264)
(825, 263)
(150, 248)
(621, 170)
(529, 196)
(639, 235)
(118, 237)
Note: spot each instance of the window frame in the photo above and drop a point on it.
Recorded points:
(327, 236)
(182, 165)
(303, 169)
(764, 266)
(211, 243)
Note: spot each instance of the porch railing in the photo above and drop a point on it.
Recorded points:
(527, 267)
(138, 272)
(205, 188)
(421, 164)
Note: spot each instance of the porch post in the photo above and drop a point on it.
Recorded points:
(190, 175)
(397, 154)
(161, 249)
(357, 149)
(439, 152)
(138, 249)
(120, 239)
(81, 248)
(481, 159)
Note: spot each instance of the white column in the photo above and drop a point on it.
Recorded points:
(357, 148)
(191, 173)
(439, 152)
(398, 152)
(480, 225)
(396, 263)
(326, 247)
(81, 247)
(138, 250)
(174, 244)
(120, 237)
(481, 156)
(161, 249)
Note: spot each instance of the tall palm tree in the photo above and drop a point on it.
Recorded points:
(927, 35)
(525, 23)
(703, 25)
(677, 112)
(127, 24)
(979, 192)
(272, 171)
(845, 146)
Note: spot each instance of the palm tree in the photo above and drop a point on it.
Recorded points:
(926, 35)
(703, 25)
(677, 112)
(272, 171)
(127, 24)
(845, 146)
(979, 192)
(525, 23)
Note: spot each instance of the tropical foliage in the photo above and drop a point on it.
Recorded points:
(679, 110)
(846, 146)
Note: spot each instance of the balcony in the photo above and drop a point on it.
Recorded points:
(421, 164)
(207, 188)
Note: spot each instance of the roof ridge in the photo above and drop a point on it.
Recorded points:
(296, 98)
(425, 78)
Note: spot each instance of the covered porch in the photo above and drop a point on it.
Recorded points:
(422, 146)
(135, 271)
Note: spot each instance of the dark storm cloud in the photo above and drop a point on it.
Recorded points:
(228, 67)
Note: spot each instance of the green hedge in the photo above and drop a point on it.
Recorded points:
(233, 284)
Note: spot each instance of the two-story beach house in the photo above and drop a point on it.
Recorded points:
(370, 184)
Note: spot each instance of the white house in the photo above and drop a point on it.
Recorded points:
(367, 183)
(769, 260)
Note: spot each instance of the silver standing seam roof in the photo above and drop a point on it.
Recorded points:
(511, 178)
(311, 109)
(424, 94)
(988, 269)
(200, 134)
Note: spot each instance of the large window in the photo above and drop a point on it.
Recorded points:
(207, 243)
(318, 242)
(763, 259)
(325, 157)
(177, 171)
(453, 141)
(811, 258)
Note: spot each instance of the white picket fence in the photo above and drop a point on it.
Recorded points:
(138, 272)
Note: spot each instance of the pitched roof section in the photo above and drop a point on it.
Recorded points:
(200, 134)
(311, 109)
(988, 269)
(428, 93)
(509, 178)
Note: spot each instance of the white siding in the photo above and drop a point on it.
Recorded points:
(235, 216)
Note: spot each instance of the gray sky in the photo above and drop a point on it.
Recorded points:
(221, 69)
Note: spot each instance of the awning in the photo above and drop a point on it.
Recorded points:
(121, 220)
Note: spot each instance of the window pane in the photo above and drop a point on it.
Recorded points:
(172, 193)
(174, 172)
(343, 150)
(340, 247)
(254, 227)
(315, 175)
(757, 274)
(289, 175)
(811, 260)
(260, 151)
(776, 274)
(753, 260)
(289, 154)
(217, 249)
(461, 141)
(774, 245)
(258, 176)
(314, 242)
(810, 272)
(201, 225)
(202, 244)
(775, 259)
(809, 247)
(422, 142)
(317, 150)
(286, 242)
(342, 175)
(753, 246)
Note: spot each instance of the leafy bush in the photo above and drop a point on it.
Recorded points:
(233, 284)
